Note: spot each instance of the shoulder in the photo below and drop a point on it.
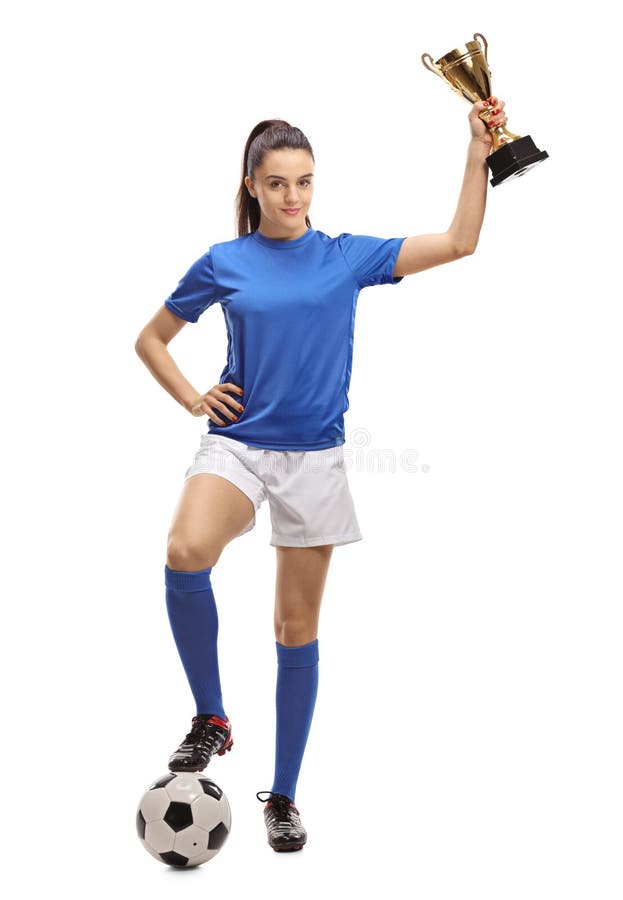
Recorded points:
(340, 240)
(322, 236)
(332, 241)
(231, 246)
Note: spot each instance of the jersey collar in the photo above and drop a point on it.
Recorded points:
(284, 245)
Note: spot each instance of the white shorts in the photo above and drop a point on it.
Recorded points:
(308, 492)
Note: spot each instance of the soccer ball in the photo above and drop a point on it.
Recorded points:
(183, 819)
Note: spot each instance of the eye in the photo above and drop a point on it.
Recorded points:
(304, 181)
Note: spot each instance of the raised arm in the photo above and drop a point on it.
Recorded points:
(427, 250)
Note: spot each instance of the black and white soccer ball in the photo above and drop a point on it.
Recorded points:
(183, 819)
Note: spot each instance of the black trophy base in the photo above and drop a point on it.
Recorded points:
(514, 159)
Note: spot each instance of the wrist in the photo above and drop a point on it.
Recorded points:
(192, 402)
(479, 148)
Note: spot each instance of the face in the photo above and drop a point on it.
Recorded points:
(283, 181)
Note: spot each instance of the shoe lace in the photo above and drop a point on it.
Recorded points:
(279, 802)
(202, 729)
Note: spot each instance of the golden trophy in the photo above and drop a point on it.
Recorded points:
(468, 74)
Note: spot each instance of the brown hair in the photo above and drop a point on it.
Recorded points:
(270, 134)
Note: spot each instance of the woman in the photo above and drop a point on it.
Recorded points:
(275, 424)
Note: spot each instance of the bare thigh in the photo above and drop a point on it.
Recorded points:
(301, 577)
(210, 513)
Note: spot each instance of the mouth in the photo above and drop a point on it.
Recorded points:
(291, 212)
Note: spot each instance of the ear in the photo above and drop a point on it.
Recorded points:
(249, 185)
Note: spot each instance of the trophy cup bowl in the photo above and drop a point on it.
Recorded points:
(468, 74)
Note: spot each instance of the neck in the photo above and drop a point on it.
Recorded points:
(275, 233)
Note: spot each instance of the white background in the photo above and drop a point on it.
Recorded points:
(467, 736)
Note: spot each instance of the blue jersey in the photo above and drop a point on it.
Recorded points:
(289, 308)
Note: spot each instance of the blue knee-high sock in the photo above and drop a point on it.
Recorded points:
(297, 686)
(194, 622)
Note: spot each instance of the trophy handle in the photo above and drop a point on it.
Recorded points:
(478, 35)
(434, 67)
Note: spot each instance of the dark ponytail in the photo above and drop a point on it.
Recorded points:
(270, 134)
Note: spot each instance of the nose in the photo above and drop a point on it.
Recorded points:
(292, 200)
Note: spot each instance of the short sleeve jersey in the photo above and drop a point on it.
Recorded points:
(289, 308)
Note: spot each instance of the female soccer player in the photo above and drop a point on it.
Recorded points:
(275, 423)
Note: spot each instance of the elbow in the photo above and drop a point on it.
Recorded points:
(139, 345)
(146, 341)
(462, 244)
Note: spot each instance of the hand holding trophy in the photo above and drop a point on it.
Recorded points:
(468, 74)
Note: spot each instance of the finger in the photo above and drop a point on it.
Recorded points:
(235, 387)
(233, 403)
(227, 412)
(216, 419)
(223, 393)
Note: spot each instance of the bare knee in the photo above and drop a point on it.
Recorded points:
(185, 555)
(294, 631)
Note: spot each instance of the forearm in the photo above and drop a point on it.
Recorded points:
(164, 369)
(470, 210)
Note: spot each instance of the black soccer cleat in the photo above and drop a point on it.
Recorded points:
(208, 735)
(283, 824)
